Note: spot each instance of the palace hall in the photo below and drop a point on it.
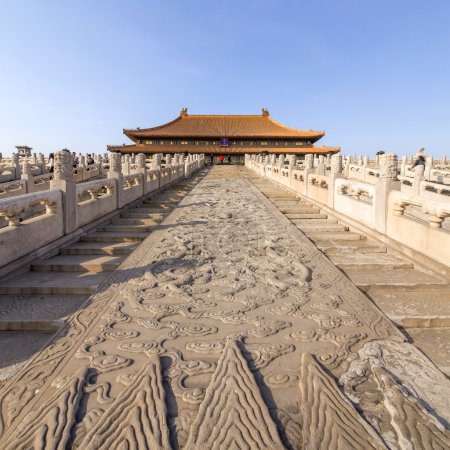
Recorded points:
(229, 136)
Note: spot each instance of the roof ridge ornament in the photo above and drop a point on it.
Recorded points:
(265, 112)
(184, 112)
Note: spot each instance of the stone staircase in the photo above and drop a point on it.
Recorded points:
(416, 299)
(34, 304)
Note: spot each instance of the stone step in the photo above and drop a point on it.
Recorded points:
(290, 203)
(166, 199)
(77, 263)
(36, 283)
(368, 261)
(300, 210)
(38, 307)
(127, 228)
(160, 204)
(435, 343)
(17, 348)
(306, 216)
(141, 215)
(99, 248)
(335, 236)
(413, 309)
(142, 210)
(49, 326)
(346, 247)
(319, 221)
(123, 221)
(321, 227)
(305, 210)
(113, 237)
(395, 280)
(275, 193)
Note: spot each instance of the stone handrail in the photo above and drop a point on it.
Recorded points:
(95, 199)
(7, 173)
(83, 173)
(427, 187)
(436, 212)
(440, 176)
(13, 188)
(357, 191)
(94, 189)
(379, 205)
(44, 178)
(320, 181)
(29, 221)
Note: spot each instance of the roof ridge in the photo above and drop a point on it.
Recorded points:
(291, 128)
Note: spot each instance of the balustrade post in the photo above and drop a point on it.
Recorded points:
(100, 164)
(16, 165)
(335, 173)
(63, 180)
(387, 182)
(428, 167)
(41, 159)
(309, 169)
(419, 171)
(126, 168)
(292, 164)
(156, 165)
(28, 177)
(403, 166)
(115, 171)
(141, 168)
(321, 165)
(346, 169)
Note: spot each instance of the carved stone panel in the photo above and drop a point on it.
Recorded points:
(226, 328)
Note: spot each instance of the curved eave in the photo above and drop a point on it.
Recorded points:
(142, 148)
(164, 131)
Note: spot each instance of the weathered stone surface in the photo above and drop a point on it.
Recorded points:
(226, 328)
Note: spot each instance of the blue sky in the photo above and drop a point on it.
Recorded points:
(374, 74)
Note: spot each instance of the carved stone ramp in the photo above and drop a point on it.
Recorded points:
(230, 296)
(137, 418)
(233, 413)
(413, 297)
(329, 420)
(35, 304)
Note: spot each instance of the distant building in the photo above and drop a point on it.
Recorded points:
(24, 151)
(228, 135)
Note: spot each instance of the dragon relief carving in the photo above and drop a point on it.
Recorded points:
(226, 328)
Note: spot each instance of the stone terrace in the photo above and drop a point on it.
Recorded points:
(250, 317)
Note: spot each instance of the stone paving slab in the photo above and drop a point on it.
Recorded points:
(226, 328)
(435, 343)
(54, 283)
(38, 307)
(78, 263)
(394, 280)
(24, 344)
(117, 248)
(350, 247)
(416, 309)
(369, 261)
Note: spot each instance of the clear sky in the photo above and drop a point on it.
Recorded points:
(374, 74)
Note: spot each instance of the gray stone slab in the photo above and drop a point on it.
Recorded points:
(226, 328)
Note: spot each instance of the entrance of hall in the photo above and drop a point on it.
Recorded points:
(224, 158)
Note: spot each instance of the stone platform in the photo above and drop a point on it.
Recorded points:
(227, 328)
